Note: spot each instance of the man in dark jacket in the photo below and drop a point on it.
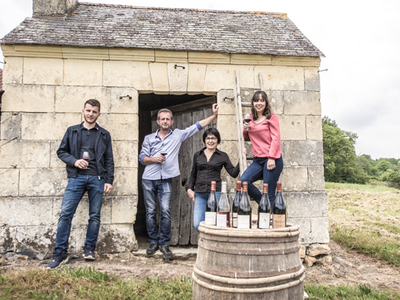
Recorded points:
(87, 152)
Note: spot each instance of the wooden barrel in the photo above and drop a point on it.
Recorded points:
(248, 264)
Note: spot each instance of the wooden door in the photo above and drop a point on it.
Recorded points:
(182, 230)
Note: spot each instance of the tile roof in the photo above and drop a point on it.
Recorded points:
(121, 26)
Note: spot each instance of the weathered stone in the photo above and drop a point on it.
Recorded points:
(12, 71)
(52, 7)
(276, 99)
(8, 183)
(177, 78)
(302, 252)
(318, 249)
(43, 71)
(310, 204)
(196, 78)
(42, 182)
(302, 153)
(7, 236)
(117, 238)
(125, 182)
(324, 260)
(121, 103)
(302, 103)
(314, 128)
(10, 126)
(81, 72)
(219, 77)
(316, 179)
(33, 154)
(294, 179)
(159, 78)
(122, 127)
(226, 102)
(55, 162)
(120, 150)
(311, 79)
(309, 261)
(124, 210)
(293, 128)
(227, 121)
(280, 78)
(127, 74)
(28, 98)
(312, 230)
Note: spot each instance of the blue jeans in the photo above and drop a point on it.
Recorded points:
(161, 189)
(76, 187)
(258, 170)
(199, 211)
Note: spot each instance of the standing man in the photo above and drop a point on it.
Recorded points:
(159, 154)
(94, 176)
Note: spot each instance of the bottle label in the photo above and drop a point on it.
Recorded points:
(235, 220)
(279, 221)
(221, 220)
(244, 221)
(211, 218)
(263, 220)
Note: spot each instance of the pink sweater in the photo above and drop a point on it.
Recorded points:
(265, 138)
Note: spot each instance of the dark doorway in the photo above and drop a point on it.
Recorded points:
(187, 109)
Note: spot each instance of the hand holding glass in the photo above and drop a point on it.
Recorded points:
(247, 119)
(86, 157)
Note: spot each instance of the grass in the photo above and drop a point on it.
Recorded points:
(86, 283)
(363, 218)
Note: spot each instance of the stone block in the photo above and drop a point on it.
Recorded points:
(84, 53)
(281, 78)
(28, 98)
(124, 210)
(226, 102)
(10, 126)
(82, 72)
(254, 59)
(42, 182)
(316, 179)
(196, 78)
(318, 249)
(7, 237)
(314, 128)
(293, 128)
(276, 99)
(224, 122)
(312, 230)
(43, 71)
(126, 54)
(302, 153)
(167, 56)
(177, 78)
(40, 239)
(199, 57)
(125, 182)
(302, 103)
(247, 76)
(70, 99)
(127, 74)
(159, 78)
(311, 79)
(219, 77)
(121, 103)
(22, 154)
(55, 162)
(310, 205)
(294, 179)
(38, 126)
(8, 182)
(117, 238)
(122, 127)
(30, 211)
(12, 71)
(125, 154)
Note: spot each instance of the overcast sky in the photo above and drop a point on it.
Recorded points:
(361, 43)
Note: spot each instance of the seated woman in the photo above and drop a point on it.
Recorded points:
(263, 132)
(207, 166)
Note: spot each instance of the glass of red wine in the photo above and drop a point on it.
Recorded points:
(163, 153)
(86, 157)
(247, 119)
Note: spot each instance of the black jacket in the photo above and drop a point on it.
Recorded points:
(69, 152)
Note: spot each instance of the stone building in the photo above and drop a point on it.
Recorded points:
(137, 60)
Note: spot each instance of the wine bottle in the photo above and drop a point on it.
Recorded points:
(235, 204)
(279, 216)
(224, 209)
(264, 209)
(211, 207)
(244, 212)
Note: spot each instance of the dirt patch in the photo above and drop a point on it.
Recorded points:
(348, 267)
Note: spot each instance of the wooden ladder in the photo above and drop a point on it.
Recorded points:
(239, 119)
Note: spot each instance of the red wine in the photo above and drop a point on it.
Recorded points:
(163, 153)
(247, 120)
(211, 206)
(244, 212)
(224, 209)
(279, 217)
(264, 209)
(235, 204)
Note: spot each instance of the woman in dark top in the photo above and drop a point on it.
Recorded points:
(207, 166)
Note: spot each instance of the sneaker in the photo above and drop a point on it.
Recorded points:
(152, 249)
(57, 261)
(89, 255)
(167, 254)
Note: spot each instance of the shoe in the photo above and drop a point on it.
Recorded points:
(152, 249)
(89, 254)
(58, 261)
(167, 254)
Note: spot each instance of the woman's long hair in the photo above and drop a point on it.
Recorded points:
(267, 110)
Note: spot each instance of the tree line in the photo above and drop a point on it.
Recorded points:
(342, 164)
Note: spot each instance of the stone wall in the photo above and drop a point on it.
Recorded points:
(45, 91)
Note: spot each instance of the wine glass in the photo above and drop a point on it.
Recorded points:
(163, 153)
(247, 119)
(86, 157)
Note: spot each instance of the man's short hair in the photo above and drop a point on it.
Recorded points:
(164, 110)
(92, 102)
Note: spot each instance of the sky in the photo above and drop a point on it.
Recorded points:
(361, 43)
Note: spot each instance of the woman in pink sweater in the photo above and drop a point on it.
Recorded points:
(263, 132)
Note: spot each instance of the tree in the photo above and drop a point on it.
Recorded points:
(340, 159)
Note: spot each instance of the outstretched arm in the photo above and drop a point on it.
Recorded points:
(208, 120)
